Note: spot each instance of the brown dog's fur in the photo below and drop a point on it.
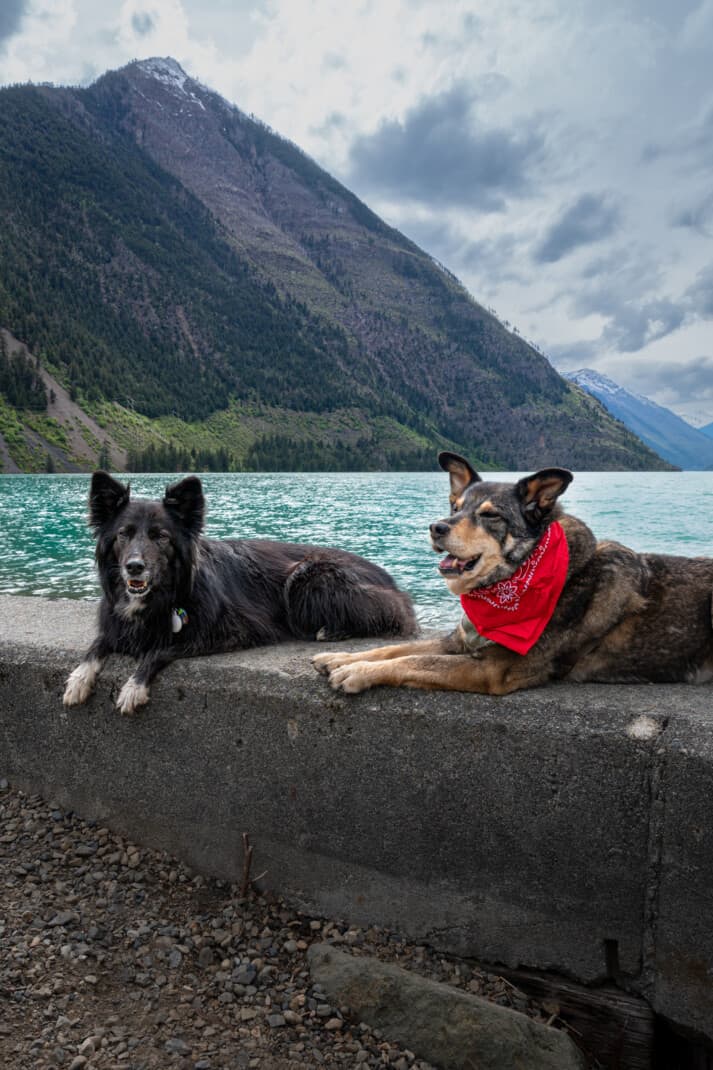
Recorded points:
(622, 617)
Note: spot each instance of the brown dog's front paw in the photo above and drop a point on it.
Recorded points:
(132, 695)
(352, 678)
(325, 663)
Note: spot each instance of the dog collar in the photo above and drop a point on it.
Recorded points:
(179, 619)
(515, 612)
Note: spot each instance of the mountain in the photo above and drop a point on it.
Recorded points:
(707, 430)
(180, 287)
(670, 436)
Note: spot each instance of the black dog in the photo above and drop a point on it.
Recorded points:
(168, 592)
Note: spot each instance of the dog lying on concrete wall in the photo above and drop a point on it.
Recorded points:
(543, 600)
(169, 592)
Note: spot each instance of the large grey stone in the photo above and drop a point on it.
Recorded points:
(452, 1029)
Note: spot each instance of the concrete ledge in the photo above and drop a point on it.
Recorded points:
(567, 828)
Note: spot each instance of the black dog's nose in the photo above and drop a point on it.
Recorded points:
(439, 529)
(135, 566)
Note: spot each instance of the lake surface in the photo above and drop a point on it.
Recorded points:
(46, 548)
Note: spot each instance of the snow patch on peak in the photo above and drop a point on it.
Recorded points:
(597, 383)
(172, 75)
(165, 70)
(587, 378)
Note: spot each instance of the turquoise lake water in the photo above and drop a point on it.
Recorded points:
(46, 548)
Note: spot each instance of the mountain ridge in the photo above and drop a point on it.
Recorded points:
(176, 264)
(668, 434)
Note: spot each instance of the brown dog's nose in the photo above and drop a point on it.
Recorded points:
(439, 529)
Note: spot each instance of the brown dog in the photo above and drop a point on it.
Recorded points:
(544, 600)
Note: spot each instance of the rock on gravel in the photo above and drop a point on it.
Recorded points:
(455, 1030)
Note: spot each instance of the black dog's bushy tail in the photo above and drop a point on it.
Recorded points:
(326, 599)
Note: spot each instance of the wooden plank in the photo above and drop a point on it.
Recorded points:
(614, 1029)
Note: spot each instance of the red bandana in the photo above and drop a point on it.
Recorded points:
(516, 611)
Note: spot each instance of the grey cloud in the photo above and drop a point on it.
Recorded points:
(619, 288)
(332, 61)
(700, 293)
(695, 216)
(142, 23)
(633, 270)
(439, 153)
(693, 146)
(623, 286)
(589, 219)
(493, 260)
(680, 381)
(570, 355)
(11, 13)
(335, 120)
(635, 326)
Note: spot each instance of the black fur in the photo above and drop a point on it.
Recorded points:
(152, 560)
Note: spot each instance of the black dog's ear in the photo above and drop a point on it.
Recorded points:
(539, 492)
(106, 498)
(185, 502)
(460, 471)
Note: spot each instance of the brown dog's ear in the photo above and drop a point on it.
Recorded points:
(460, 471)
(106, 498)
(539, 492)
(185, 502)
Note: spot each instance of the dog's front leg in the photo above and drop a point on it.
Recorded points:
(328, 662)
(487, 675)
(80, 682)
(135, 691)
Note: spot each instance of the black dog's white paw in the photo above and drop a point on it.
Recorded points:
(132, 695)
(80, 683)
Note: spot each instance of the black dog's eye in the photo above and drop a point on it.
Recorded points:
(126, 533)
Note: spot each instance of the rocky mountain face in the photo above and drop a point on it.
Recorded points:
(208, 296)
(671, 437)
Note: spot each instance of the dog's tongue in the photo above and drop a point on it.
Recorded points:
(450, 564)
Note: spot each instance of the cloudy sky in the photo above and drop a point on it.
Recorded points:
(557, 155)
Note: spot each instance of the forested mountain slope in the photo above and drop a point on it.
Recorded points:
(196, 283)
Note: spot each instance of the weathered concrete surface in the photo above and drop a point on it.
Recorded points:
(566, 828)
(451, 1029)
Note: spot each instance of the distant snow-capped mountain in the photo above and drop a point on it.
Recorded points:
(665, 432)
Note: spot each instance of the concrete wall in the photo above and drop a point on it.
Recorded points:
(569, 828)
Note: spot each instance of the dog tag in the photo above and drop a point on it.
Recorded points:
(179, 618)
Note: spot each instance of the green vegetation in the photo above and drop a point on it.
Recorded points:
(171, 457)
(24, 453)
(280, 453)
(20, 380)
(153, 309)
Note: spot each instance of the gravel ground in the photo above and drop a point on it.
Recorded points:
(116, 957)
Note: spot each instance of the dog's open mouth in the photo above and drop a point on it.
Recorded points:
(137, 587)
(453, 566)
